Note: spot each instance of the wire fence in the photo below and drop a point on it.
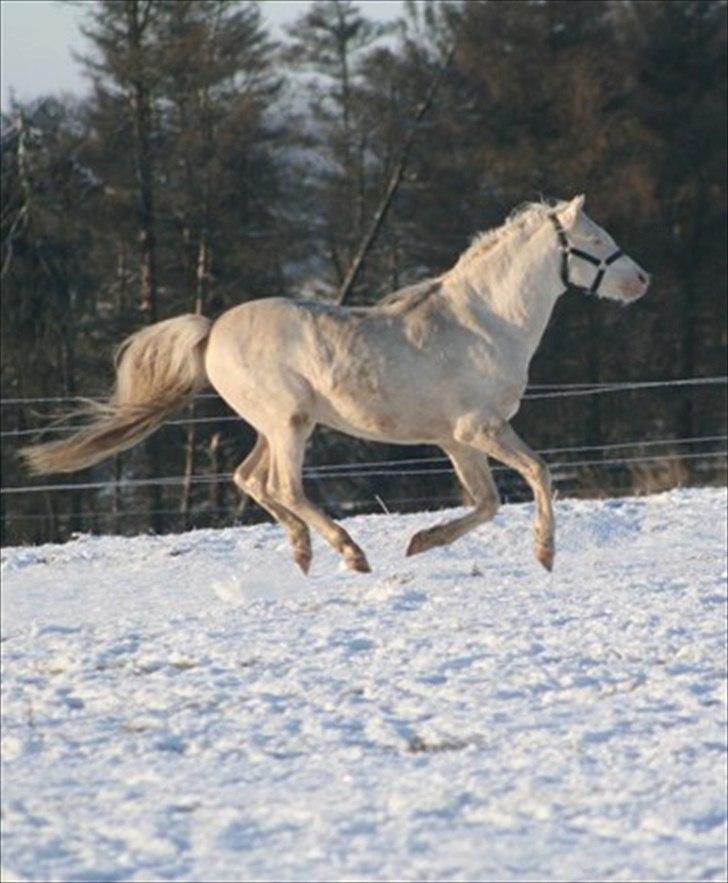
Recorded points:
(533, 391)
(395, 502)
(563, 460)
(369, 468)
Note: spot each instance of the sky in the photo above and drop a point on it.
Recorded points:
(39, 37)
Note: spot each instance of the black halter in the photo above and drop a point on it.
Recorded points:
(567, 250)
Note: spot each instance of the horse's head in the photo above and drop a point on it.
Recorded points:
(591, 260)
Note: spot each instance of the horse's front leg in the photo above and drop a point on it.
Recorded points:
(500, 441)
(474, 473)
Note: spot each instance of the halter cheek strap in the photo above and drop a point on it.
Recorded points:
(567, 250)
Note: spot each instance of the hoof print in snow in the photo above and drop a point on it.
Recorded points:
(418, 745)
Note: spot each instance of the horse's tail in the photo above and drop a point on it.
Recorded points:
(158, 370)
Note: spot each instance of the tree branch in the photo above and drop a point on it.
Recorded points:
(394, 182)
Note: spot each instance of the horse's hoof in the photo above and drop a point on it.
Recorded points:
(545, 554)
(359, 563)
(418, 544)
(303, 560)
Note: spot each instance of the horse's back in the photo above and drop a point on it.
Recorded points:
(356, 369)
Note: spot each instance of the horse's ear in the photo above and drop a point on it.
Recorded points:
(570, 213)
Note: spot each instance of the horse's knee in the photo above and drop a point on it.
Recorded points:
(541, 473)
(488, 507)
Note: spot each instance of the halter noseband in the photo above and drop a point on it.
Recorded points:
(567, 249)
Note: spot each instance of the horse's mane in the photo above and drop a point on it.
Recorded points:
(405, 299)
(523, 218)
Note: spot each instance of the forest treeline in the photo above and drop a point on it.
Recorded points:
(211, 164)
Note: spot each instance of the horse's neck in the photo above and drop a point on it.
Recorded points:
(516, 284)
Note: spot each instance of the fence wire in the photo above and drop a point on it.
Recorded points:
(320, 473)
(506, 489)
(401, 468)
(540, 390)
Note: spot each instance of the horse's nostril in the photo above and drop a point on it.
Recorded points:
(642, 277)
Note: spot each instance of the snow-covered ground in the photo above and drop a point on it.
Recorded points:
(191, 708)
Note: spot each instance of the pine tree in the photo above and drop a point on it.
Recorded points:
(217, 81)
(47, 302)
(681, 101)
(124, 66)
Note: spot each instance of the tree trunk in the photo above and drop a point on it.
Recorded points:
(121, 277)
(140, 102)
(216, 486)
(594, 432)
(201, 293)
(116, 497)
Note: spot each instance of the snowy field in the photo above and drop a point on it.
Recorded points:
(191, 708)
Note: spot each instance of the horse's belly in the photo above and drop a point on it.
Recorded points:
(377, 419)
(384, 429)
(380, 416)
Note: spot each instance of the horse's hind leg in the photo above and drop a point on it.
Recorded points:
(474, 473)
(251, 477)
(285, 485)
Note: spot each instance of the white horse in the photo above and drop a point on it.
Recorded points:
(444, 362)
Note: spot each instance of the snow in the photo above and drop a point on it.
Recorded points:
(190, 708)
